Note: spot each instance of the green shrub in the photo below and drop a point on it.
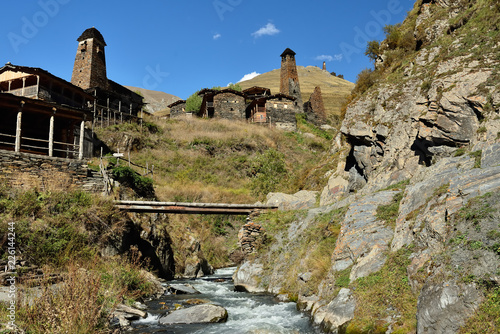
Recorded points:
(193, 102)
(268, 170)
(373, 50)
(143, 186)
(365, 79)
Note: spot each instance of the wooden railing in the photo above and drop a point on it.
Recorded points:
(40, 146)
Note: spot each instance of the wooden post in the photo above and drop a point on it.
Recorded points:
(82, 137)
(107, 111)
(17, 146)
(37, 86)
(24, 84)
(10, 81)
(51, 136)
(120, 110)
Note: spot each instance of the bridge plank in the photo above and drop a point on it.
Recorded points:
(191, 208)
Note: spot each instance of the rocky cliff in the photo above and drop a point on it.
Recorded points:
(406, 237)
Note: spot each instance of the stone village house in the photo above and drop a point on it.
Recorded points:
(258, 105)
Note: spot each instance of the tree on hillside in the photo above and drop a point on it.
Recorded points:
(235, 87)
(193, 103)
(373, 50)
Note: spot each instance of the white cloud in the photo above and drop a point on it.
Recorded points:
(269, 30)
(249, 76)
(337, 57)
(217, 36)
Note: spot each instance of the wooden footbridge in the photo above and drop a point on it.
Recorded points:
(192, 208)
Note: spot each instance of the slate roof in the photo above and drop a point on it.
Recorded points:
(91, 33)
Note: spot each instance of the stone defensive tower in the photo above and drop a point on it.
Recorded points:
(90, 62)
(289, 84)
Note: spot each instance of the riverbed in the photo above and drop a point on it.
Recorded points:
(247, 313)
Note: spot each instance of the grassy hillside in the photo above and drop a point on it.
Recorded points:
(224, 161)
(334, 89)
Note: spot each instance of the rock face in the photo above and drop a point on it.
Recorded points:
(338, 312)
(206, 313)
(301, 200)
(361, 219)
(443, 308)
(145, 235)
(246, 278)
(418, 175)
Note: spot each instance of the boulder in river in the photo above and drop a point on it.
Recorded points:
(206, 313)
(182, 289)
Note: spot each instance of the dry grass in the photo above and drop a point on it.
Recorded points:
(217, 160)
(76, 306)
(83, 302)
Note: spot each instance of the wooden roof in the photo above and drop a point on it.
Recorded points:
(281, 95)
(41, 72)
(257, 90)
(229, 90)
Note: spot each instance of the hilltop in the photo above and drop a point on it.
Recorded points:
(334, 89)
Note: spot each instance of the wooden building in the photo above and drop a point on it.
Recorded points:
(43, 114)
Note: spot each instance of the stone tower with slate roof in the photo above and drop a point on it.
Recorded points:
(90, 62)
(289, 83)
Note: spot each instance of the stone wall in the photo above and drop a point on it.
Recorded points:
(281, 113)
(251, 235)
(229, 106)
(26, 171)
(178, 110)
(315, 108)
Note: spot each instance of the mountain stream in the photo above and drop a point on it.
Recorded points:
(247, 313)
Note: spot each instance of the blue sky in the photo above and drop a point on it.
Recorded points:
(181, 46)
